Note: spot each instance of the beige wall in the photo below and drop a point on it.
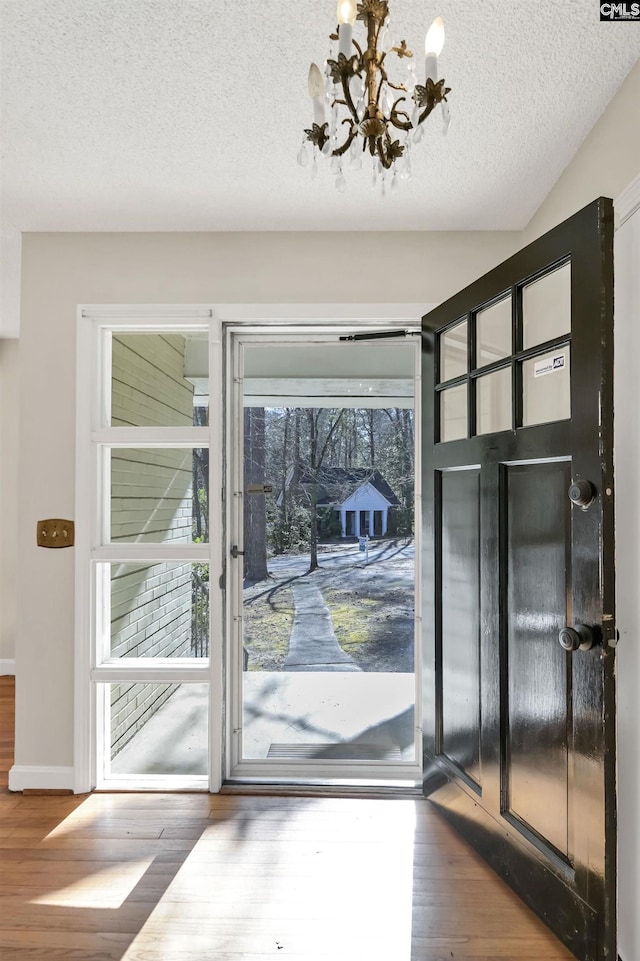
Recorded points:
(61, 271)
(605, 164)
(9, 408)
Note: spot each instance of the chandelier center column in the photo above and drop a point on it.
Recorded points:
(372, 66)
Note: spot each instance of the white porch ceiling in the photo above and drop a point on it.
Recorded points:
(188, 114)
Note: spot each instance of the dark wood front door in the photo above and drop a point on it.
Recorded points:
(519, 730)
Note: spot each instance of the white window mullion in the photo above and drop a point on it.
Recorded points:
(168, 670)
(102, 525)
(103, 387)
(152, 436)
(148, 317)
(102, 642)
(131, 553)
(216, 549)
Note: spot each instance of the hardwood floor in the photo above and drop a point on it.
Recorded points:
(189, 877)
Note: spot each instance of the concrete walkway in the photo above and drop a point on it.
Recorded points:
(313, 646)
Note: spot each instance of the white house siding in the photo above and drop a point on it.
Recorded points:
(150, 502)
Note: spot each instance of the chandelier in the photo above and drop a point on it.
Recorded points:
(359, 108)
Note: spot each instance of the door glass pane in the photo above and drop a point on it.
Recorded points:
(493, 332)
(546, 384)
(159, 380)
(493, 402)
(453, 352)
(453, 413)
(327, 662)
(546, 307)
(154, 498)
(159, 610)
(156, 728)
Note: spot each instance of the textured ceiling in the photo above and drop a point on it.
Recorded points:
(187, 114)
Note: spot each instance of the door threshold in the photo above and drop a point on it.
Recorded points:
(166, 784)
(323, 790)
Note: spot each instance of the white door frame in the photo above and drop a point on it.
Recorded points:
(627, 470)
(236, 336)
(90, 417)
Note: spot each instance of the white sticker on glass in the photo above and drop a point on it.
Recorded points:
(550, 365)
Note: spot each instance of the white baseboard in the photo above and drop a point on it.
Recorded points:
(7, 666)
(26, 777)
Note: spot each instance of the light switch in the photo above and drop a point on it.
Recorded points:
(55, 532)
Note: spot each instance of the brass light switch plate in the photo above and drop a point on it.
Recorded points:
(55, 532)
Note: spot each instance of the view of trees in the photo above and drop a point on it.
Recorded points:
(291, 448)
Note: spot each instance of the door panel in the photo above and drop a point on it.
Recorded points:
(538, 669)
(460, 593)
(519, 733)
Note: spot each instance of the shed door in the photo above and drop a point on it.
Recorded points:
(518, 525)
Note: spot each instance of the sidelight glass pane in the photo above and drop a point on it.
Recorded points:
(453, 352)
(153, 496)
(453, 413)
(493, 332)
(157, 728)
(159, 610)
(546, 307)
(159, 380)
(493, 402)
(546, 385)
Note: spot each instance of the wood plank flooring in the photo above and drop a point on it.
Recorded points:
(191, 877)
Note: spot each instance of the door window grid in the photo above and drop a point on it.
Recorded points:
(155, 606)
(524, 364)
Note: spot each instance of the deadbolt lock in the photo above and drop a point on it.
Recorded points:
(582, 493)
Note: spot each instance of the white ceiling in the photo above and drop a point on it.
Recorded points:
(188, 114)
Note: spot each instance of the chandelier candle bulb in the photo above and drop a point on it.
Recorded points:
(316, 92)
(346, 18)
(346, 34)
(433, 44)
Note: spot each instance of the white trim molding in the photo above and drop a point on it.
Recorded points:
(26, 777)
(627, 202)
(10, 277)
(7, 667)
(627, 463)
(318, 313)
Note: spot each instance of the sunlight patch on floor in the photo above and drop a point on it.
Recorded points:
(248, 882)
(107, 888)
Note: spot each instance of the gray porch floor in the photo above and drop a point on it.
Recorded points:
(285, 708)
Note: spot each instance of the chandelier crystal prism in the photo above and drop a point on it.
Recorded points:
(357, 107)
